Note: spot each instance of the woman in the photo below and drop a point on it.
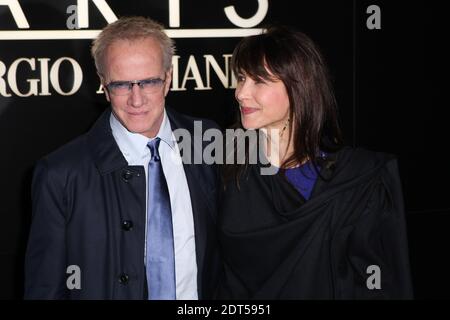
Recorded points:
(330, 223)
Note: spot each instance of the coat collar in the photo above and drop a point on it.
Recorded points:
(104, 149)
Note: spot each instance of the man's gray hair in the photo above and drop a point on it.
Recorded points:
(132, 28)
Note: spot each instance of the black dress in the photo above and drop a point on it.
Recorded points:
(276, 245)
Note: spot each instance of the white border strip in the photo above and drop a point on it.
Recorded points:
(91, 34)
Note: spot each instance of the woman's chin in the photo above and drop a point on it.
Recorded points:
(249, 126)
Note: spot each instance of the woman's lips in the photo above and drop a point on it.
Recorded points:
(247, 110)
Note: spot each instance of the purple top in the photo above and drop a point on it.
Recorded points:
(302, 178)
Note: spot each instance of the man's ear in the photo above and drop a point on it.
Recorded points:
(103, 83)
(168, 81)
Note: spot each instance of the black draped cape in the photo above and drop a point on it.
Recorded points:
(276, 245)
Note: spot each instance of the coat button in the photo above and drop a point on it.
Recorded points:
(127, 225)
(127, 175)
(123, 278)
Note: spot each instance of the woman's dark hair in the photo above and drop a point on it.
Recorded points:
(293, 58)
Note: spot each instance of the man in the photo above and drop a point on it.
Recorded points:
(115, 216)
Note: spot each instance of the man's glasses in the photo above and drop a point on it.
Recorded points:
(123, 88)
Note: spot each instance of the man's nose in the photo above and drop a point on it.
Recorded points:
(136, 95)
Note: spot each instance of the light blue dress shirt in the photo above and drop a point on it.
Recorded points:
(134, 148)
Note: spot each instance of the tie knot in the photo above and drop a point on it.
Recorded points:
(153, 145)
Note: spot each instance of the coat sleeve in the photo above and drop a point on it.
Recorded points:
(45, 260)
(377, 248)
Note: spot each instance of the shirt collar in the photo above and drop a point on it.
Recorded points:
(134, 145)
(165, 132)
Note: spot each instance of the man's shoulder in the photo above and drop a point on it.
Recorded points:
(82, 150)
(69, 155)
(183, 121)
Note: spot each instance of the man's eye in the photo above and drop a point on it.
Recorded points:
(150, 82)
(120, 85)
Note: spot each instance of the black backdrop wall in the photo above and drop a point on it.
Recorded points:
(384, 82)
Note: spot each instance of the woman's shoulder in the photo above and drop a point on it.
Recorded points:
(363, 156)
(356, 161)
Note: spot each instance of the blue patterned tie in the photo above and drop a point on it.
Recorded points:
(160, 249)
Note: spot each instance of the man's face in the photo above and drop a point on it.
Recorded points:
(139, 59)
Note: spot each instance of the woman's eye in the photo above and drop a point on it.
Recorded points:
(240, 78)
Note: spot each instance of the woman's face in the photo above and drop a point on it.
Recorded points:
(264, 104)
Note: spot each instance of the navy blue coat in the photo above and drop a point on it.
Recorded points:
(89, 211)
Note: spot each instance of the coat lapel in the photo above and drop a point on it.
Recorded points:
(103, 147)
